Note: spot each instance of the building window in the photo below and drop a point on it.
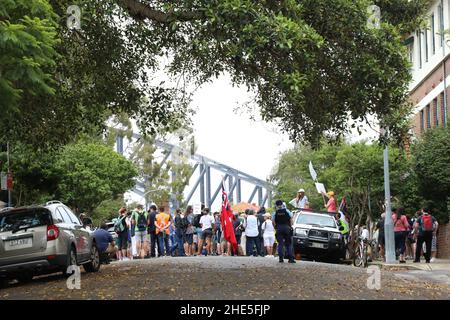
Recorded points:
(421, 121)
(410, 49)
(419, 47)
(425, 33)
(441, 25)
(428, 117)
(436, 112)
(433, 35)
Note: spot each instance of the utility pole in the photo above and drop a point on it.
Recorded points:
(374, 22)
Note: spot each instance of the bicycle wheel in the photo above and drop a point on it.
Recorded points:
(364, 257)
(358, 256)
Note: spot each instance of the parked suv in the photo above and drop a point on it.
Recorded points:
(317, 236)
(44, 239)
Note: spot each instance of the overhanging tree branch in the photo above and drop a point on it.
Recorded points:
(140, 10)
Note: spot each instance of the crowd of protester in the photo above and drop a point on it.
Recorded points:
(155, 233)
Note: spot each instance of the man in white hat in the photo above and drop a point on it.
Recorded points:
(301, 201)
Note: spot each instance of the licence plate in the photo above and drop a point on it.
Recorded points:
(317, 245)
(18, 244)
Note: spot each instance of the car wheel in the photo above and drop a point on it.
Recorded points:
(71, 261)
(26, 277)
(94, 264)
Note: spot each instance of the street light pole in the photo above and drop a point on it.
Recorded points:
(375, 22)
(388, 223)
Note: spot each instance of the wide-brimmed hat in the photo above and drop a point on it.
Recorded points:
(267, 215)
(301, 190)
(330, 193)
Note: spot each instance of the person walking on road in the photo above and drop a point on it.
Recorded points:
(301, 201)
(139, 218)
(425, 226)
(268, 234)
(283, 221)
(401, 228)
(152, 230)
(251, 234)
(162, 223)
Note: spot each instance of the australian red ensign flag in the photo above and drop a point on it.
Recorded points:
(226, 220)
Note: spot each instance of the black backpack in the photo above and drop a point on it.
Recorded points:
(142, 222)
(196, 222)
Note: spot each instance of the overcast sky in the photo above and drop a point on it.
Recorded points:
(232, 137)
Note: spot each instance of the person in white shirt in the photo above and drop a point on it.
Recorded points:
(301, 201)
(268, 234)
(251, 234)
(207, 223)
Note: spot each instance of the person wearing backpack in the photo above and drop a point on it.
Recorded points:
(425, 226)
(121, 228)
(139, 219)
(401, 228)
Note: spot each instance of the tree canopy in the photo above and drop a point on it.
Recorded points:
(311, 65)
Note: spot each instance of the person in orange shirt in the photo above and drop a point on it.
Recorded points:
(162, 223)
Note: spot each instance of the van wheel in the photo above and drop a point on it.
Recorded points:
(70, 261)
(94, 264)
(26, 277)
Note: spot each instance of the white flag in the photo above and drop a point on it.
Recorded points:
(312, 172)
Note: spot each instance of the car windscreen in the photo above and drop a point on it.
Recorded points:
(24, 219)
(322, 221)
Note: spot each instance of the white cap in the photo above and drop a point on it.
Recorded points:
(301, 190)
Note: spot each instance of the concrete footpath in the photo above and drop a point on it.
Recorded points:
(436, 265)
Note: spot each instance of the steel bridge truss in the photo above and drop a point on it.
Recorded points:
(262, 190)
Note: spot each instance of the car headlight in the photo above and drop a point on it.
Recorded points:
(301, 232)
(335, 235)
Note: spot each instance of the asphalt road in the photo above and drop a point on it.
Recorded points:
(229, 278)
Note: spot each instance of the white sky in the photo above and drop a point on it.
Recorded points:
(232, 137)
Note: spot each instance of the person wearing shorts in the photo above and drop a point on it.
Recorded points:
(139, 218)
(207, 223)
(122, 236)
(268, 232)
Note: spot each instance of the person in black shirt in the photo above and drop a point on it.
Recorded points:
(151, 230)
(282, 220)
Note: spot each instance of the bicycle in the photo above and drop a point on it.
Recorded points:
(361, 253)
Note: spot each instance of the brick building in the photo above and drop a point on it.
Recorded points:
(430, 70)
(429, 54)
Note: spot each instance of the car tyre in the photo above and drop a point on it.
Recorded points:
(94, 264)
(71, 260)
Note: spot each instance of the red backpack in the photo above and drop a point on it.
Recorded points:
(427, 222)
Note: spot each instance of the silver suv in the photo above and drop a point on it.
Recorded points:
(44, 239)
